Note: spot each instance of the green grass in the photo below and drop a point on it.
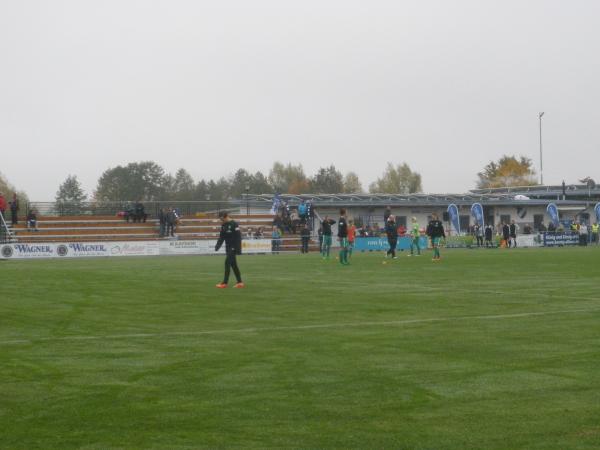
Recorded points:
(495, 349)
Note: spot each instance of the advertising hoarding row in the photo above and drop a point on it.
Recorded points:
(133, 248)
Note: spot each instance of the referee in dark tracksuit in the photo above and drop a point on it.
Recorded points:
(231, 235)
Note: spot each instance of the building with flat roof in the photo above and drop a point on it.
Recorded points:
(525, 205)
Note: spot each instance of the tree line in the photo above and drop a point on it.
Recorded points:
(149, 181)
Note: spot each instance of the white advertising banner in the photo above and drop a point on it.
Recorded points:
(189, 247)
(528, 240)
(133, 248)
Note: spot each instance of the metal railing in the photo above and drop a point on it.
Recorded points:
(5, 234)
(151, 208)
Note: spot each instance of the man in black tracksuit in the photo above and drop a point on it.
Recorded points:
(392, 235)
(231, 235)
(435, 230)
(506, 234)
(512, 231)
(305, 236)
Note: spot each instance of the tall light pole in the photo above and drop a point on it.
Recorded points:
(541, 154)
(247, 189)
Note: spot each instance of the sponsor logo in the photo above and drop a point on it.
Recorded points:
(184, 244)
(7, 251)
(62, 250)
(87, 248)
(33, 249)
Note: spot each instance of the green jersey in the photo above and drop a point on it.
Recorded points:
(415, 230)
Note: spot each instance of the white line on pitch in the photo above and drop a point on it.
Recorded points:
(298, 327)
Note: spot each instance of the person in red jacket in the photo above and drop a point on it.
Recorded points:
(2, 203)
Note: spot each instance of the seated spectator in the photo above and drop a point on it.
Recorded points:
(139, 214)
(401, 230)
(32, 220)
(249, 233)
(295, 221)
(259, 233)
(128, 213)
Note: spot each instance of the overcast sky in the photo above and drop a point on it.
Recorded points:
(211, 86)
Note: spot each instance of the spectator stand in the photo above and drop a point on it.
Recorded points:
(6, 235)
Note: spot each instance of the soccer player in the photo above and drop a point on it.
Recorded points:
(351, 237)
(415, 234)
(343, 237)
(231, 235)
(435, 230)
(326, 227)
(392, 236)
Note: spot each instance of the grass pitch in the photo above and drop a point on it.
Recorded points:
(488, 349)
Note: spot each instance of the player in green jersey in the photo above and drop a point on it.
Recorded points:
(415, 235)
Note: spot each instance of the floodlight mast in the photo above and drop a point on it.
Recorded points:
(541, 114)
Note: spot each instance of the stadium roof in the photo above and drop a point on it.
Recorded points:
(572, 191)
(495, 198)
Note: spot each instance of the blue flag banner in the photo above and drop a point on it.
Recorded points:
(454, 219)
(597, 210)
(477, 213)
(552, 211)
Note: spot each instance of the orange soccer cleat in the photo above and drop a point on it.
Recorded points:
(221, 286)
(239, 285)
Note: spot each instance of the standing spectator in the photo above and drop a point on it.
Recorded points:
(320, 234)
(2, 203)
(302, 212)
(505, 234)
(275, 240)
(583, 234)
(392, 236)
(14, 208)
(488, 235)
(479, 235)
(294, 220)
(171, 222)
(595, 233)
(551, 227)
(512, 228)
(326, 227)
(305, 237)
(162, 221)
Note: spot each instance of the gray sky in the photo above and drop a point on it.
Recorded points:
(446, 86)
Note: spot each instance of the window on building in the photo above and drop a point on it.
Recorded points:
(505, 218)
